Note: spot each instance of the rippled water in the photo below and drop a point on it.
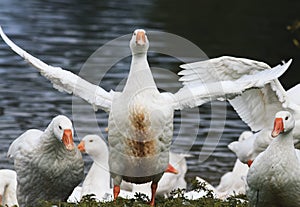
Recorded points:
(65, 34)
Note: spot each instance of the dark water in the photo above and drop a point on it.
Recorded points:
(66, 33)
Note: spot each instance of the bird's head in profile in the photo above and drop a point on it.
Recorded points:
(284, 122)
(63, 131)
(139, 42)
(91, 144)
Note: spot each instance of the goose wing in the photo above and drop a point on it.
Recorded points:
(255, 106)
(66, 81)
(197, 91)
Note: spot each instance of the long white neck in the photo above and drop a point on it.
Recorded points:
(284, 143)
(97, 180)
(140, 75)
(102, 169)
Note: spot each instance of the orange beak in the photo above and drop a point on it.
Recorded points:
(249, 163)
(81, 146)
(67, 139)
(278, 127)
(140, 38)
(171, 169)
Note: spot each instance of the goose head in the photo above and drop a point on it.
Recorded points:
(63, 131)
(245, 135)
(92, 144)
(284, 122)
(139, 43)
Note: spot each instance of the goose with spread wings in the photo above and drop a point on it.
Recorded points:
(140, 117)
(256, 106)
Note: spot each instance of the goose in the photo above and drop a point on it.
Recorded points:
(8, 188)
(256, 106)
(243, 146)
(233, 183)
(97, 181)
(274, 176)
(140, 118)
(247, 150)
(47, 163)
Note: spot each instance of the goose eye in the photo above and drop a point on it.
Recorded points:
(134, 33)
(91, 140)
(60, 127)
(286, 118)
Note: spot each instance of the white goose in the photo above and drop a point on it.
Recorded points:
(140, 117)
(97, 180)
(272, 97)
(47, 163)
(233, 182)
(256, 106)
(274, 177)
(8, 188)
(243, 146)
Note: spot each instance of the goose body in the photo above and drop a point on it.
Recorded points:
(140, 117)
(48, 165)
(8, 187)
(233, 183)
(274, 177)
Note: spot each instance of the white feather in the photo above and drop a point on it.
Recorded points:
(66, 81)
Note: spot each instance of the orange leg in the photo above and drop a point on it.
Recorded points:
(153, 191)
(116, 191)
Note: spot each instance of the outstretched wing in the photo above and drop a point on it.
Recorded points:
(220, 69)
(195, 92)
(64, 80)
(255, 106)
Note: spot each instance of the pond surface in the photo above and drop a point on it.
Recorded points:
(67, 33)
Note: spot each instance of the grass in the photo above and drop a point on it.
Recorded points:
(176, 199)
(141, 201)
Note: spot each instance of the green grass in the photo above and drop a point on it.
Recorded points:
(176, 199)
(142, 201)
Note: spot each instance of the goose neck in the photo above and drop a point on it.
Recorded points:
(284, 141)
(140, 75)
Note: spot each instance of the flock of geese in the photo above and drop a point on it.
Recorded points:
(49, 166)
